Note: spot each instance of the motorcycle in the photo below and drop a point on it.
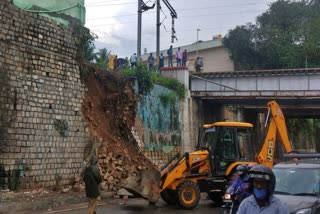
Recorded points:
(232, 199)
(230, 203)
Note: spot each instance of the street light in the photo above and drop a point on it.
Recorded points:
(197, 40)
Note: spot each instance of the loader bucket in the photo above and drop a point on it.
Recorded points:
(146, 184)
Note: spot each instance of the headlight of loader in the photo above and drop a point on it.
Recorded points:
(227, 196)
(303, 211)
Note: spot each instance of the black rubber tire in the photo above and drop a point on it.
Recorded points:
(169, 196)
(216, 197)
(188, 194)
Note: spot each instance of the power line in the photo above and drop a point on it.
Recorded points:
(191, 16)
(107, 17)
(185, 9)
(103, 2)
(199, 8)
(152, 33)
(101, 5)
(106, 3)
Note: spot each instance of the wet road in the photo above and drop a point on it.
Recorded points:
(134, 206)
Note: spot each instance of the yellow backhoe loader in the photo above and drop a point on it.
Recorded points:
(222, 147)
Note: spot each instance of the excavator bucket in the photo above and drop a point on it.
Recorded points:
(145, 184)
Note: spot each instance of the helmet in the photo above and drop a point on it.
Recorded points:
(242, 170)
(262, 172)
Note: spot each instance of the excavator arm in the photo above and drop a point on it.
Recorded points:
(276, 127)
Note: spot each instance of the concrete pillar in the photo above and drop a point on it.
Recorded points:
(233, 113)
(182, 75)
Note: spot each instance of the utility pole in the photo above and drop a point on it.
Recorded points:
(139, 29)
(158, 28)
(142, 7)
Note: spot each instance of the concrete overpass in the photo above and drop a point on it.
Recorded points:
(296, 90)
(243, 96)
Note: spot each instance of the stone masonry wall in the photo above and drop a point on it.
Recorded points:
(42, 132)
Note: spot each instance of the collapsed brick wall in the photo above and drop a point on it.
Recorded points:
(42, 132)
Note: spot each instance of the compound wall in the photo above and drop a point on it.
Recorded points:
(42, 132)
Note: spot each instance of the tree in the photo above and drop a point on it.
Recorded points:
(285, 36)
(241, 47)
(88, 47)
(102, 58)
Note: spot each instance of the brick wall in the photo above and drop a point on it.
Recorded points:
(42, 132)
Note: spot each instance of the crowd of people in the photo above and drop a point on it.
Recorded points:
(181, 58)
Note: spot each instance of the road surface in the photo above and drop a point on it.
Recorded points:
(140, 206)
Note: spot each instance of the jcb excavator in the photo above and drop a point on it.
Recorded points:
(222, 147)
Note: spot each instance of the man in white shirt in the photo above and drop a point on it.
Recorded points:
(133, 60)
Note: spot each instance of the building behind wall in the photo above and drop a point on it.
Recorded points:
(214, 55)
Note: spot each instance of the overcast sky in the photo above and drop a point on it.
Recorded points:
(115, 22)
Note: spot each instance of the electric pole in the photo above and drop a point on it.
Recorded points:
(139, 29)
(158, 28)
(142, 7)
(173, 14)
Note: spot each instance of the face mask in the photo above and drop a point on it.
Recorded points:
(260, 193)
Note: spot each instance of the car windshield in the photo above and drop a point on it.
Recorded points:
(297, 181)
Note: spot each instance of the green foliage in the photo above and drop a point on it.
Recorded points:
(89, 47)
(146, 79)
(27, 168)
(168, 98)
(301, 131)
(84, 40)
(285, 36)
(172, 84)
(13, 180)
(241, 47)
(102, 58)
(62, 127)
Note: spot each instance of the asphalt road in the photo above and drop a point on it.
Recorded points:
(140, 206)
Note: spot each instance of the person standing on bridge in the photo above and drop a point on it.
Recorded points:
(170, 55)
(178, 57)
(184, 58)
(197, 64)
(92, 179)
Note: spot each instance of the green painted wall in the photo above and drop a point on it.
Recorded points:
(161, 125)
(74, 8)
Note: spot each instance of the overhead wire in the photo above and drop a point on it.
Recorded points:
(101, 5)
(185, 9)
(191, 16)
(165, 18)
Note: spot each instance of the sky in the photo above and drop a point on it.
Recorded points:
(115, 22)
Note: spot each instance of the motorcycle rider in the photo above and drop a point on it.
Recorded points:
(240, 185)
(262, 184)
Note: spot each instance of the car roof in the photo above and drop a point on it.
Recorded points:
(300, 163)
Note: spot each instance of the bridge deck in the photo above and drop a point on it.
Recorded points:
(274, 83)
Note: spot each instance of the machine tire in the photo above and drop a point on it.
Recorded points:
(216, 197)
(169, 196)
(188, 194)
